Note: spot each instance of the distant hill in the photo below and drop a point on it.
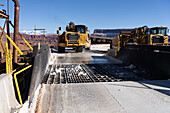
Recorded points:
(51, 39)
(108, 32)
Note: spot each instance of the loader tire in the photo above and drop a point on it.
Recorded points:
(61, 49)
(79, 49)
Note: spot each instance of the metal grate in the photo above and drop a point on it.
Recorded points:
(119, 71)
(81, 73)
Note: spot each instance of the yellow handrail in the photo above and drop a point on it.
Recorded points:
(22, 37)
(23, 63)
(11, 41)
(26, 41)
(16, 82)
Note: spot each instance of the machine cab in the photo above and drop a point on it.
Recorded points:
(81, 28)
(159, 35)
(159, 30)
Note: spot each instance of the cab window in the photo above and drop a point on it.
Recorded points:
(153, 31)
(162, 31)
(80, 29)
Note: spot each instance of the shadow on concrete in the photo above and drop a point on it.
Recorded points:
(130, 86)
(165, 84)
(162, 86)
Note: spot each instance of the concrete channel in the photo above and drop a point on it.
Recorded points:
(92, 82)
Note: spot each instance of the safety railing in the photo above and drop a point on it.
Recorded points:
(23, 38)
(3, 32)
(19, 56)
(22, 59)
(16, 82)
(8, 52)
(11, 41)
(26, 42)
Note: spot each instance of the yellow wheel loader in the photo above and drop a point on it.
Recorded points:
(150, 36)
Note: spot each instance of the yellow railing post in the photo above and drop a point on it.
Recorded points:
(16, 82)
(39, 45)
(6, 54)
(8, 59)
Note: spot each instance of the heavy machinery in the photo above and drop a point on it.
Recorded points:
(150, 36)
(120, 40)
(125, 37)
(141, 36)
(75, 36)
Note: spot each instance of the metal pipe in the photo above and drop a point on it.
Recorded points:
(16, 28)
(16, 3)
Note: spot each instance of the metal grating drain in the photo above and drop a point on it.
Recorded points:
(81, 73)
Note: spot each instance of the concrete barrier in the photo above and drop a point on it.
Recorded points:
(7, 95)
(41, 59)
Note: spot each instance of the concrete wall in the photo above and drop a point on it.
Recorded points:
(7, 94)
(40, 63)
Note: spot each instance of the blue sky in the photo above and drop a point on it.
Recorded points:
(96, 14)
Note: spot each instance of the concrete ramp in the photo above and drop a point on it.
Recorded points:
(108, 97)
(7, 95)
(77, 98)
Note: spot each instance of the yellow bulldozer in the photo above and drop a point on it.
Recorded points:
(75, 36)
(150, 36)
